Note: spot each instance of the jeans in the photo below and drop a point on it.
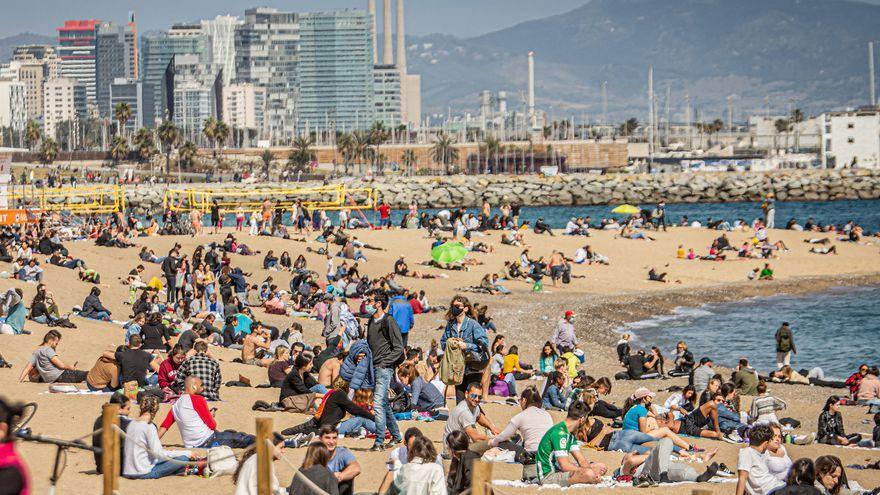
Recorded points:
(658, 463)
(230, 438)
(353, 425)
(163, 469)
(171, 288)
(382, 408)
(319, 389)
(869, 402)
(153, 379)
(632, 440)
(100, 315)
(405, 338)
(72, 376)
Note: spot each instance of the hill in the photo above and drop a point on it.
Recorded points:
(8, 44)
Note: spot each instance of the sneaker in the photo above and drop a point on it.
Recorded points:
(710, 472)
(732, 437)
(644, 481)
(377, 447)
(724, 471)
(695, 450)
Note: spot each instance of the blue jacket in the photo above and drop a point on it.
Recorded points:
(238, 280)
(16, 317)
(402, 313)
(471, 332)
(552, 398)
(358, 375)
(727, 419)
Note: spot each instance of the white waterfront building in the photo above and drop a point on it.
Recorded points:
(851, 139)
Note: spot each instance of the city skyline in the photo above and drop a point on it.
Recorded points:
(423, 18)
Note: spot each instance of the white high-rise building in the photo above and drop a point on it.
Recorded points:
(64, 99)
(13, 106)
(244, 106)
(221, 29)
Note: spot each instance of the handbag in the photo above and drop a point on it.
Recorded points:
(221, 461)
(303, 403)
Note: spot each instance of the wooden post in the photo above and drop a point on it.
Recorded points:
(701, 492)
(481, 474)
(265, 456)
(109, 443)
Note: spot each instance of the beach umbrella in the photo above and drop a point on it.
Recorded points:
(626, 210)
(449, 252)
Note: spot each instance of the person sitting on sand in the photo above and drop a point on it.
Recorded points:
(255, 345)
(653, 276)
(92, 307)
(402, 269)
(629, 233)
(198, 428)
(766, 273)
(559, 459)
(684, 360)
(830, 429)
(143, 455)
(638, 412)
(44, 364)
(753, 473)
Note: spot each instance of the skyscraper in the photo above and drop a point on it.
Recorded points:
(335, 71)
(157, 52)
(139, 99)
(266, 55)
(387, 95)
(36, 65)
(195, 94)
(114, 59)
(77, 51)
(64, 100)
(221, 30)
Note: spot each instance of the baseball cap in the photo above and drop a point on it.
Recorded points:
(642, 392)
(705, 360)
(569, 314)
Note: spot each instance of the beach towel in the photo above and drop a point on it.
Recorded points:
(607, 482)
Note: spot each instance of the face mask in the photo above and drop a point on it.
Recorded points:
(457, 310)
(370, 309)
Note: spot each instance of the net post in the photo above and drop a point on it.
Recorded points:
(110, 457)
(481, 476)
(264, 456)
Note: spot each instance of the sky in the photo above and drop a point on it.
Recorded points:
(462, 18)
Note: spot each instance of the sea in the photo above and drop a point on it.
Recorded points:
(836, 330)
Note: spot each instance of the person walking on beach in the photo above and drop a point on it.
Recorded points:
(769, 209)
(564, 337)
(784, 346)
(661, 215)
(386, 344)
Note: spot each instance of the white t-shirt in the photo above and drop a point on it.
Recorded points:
(532, 423)
(140, 461)
(760, 481)
(580, 255)
(459, 419)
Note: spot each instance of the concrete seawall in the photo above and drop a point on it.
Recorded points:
(586, 189)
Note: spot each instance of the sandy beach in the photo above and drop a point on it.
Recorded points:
(607, 297)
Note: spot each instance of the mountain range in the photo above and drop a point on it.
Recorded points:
(808, 54)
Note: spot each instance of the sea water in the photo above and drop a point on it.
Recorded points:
(837, 330)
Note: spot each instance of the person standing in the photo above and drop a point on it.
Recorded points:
(564, 337)
(386, 344)
(384, 215)
(661, 215)
(769, 208)
(169, 269)
(784, 345)
(216, 218)
(403, 315)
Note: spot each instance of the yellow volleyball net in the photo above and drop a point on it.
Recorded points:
(80, 200)
(329, 197)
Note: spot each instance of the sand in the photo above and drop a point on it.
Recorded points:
(607, 297)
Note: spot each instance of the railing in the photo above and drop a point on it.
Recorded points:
(81, 200)
(330, 197)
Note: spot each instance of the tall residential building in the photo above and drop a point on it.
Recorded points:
(13, 106)
(196, 93)
(386, 89)
(139, 98)
(36, 64)
(335, 72)
(157, 53)
(244, 106)
(64, 100)
(266, 56)
(221, 30)
(77, 51)
(115, 52)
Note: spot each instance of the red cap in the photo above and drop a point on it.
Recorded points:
(569, 314)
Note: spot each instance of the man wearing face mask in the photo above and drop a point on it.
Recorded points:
(386, 344)
(564, 337)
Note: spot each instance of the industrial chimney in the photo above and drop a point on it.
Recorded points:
(371, 8)
(388, 53)
(532, 115)
(401, 40)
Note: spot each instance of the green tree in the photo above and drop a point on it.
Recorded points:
(379, 135)
(122, 113)
(186, 155)
(267, 158)
(490, 149)
(48, 151)
(216, 132)
(628, 127)
(409, 161)
(301, 155)
(344, 145)
(169, 136)
(145, 144)
(444, 152)
(119, 149)
(361, 150)
(32, 134)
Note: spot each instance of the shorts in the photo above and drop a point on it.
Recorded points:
(556, 272)
(253, 362)
(689, 426)
(558, 478)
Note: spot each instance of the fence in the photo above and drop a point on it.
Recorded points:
(331, 197)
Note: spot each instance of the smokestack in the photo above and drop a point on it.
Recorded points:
(371, 8)
(532, 115)
(401, 39)
(871, 69)
(388, 53)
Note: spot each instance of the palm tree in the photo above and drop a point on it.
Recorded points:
(169, 135)
(444, 152)
(122, 113)
(797, 116)
(302, 154)
(119, 149)
(187, 153)
(409, 161)
(378, 137)
(628, 127)
(267, 158)
(344, 144)
(48, 151)
(361, 149)
(222, 135)
(32, 134)
(145, 145)
(783, 126)
(217, 132)
(490, 148)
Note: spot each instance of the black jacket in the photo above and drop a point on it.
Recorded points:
(385, 342)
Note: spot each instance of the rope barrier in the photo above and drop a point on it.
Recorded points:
(299, 475)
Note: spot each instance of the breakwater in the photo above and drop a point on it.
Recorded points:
(588, 189)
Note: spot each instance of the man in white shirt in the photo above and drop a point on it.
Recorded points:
(580, 256)
(754, 476)
(467, 415)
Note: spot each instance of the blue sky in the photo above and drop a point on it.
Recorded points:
(457, 17)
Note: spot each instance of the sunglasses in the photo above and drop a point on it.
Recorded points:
(474, 396)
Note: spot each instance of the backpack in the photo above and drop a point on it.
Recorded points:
(401, 403)
(566, 275)
(452, 366)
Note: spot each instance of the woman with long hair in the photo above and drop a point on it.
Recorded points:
(831, 430)
(464, 331)
(314, 471)
(830, 476)
(458, 480)
(420, 475)
(245, 476)
(592, 396)
(144, 455)
(547, 359)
